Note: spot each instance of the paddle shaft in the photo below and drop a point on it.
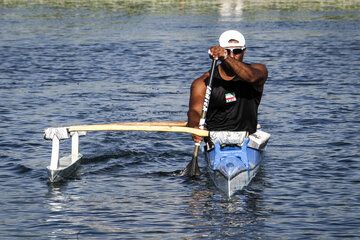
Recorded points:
(207, 96)
(192, 169)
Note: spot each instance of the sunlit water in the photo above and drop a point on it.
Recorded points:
(63, 66)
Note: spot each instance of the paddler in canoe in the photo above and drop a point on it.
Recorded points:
(236, 92)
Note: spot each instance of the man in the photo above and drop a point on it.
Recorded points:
(236, 91)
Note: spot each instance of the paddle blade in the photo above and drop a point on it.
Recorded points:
(192, 169)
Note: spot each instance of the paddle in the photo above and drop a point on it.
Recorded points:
(192, 169)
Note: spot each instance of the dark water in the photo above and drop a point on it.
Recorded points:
(64, 65)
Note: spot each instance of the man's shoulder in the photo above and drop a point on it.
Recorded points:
(201, 79)
(259, 84)
(200, 83)
(259, 66)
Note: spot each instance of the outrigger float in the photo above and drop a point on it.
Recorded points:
(232, 162)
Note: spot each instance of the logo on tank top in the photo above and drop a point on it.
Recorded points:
(230, 97)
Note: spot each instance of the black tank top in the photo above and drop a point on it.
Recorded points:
(233, 105)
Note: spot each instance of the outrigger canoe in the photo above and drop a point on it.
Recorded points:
(231, 163)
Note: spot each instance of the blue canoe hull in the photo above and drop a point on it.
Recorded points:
(231, 167)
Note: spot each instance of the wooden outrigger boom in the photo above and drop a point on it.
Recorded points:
(60, 168)
(149, 126)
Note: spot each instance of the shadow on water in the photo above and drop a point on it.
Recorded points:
(16, 168)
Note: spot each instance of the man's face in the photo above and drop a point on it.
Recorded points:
(235, 52)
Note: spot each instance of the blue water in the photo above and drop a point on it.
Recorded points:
(63, 66)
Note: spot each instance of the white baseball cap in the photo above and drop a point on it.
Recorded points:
(230, 35)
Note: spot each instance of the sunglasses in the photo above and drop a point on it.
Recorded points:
(236, 51)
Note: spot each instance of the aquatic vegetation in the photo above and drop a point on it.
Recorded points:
(172, 6)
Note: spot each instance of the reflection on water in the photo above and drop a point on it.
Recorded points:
(216, 216)
(83, 62)
(231, 8)
(223, 7)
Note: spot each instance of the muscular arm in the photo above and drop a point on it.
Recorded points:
(256, 74)
(197, 95)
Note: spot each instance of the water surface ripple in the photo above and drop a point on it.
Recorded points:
(64, 66)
